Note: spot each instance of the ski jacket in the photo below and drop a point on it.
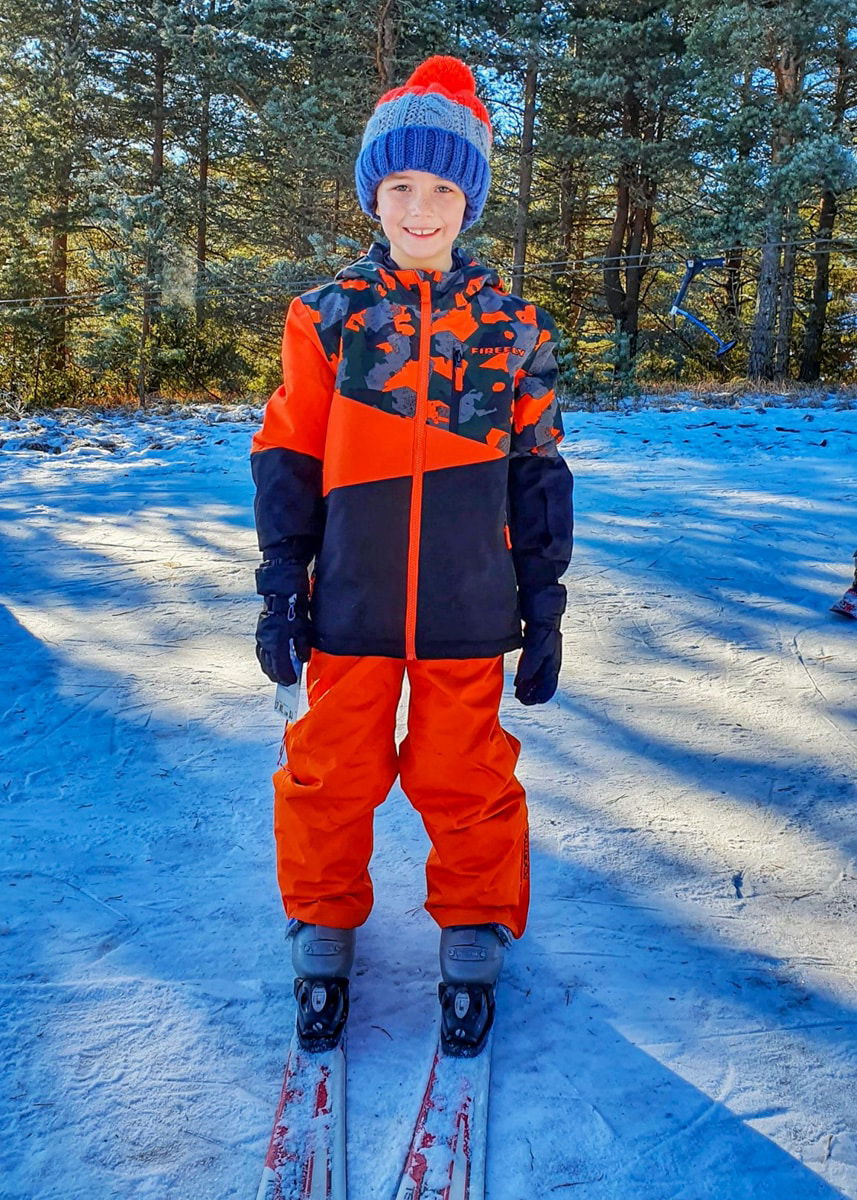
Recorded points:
(412, 452)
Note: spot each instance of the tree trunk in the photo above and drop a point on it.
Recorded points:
(573, 203)
(632, 234)
(786, 300)
(735, 256)
(147, 379)
(734, 266)
(810, 365)
(202, 206)
(56, 324)
(761, 361)
(56, 348)
(525, 175)
(768, 354)
(567, 204)
(385, 43)
(813, 338)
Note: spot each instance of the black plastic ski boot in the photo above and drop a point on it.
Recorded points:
(320, 952)
(322, 958)
(466, 1017)
(473, 953)
(322, 1012)
(471, 958)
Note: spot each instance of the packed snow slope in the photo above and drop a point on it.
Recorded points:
(680, 1020)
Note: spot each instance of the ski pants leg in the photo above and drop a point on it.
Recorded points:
(457, 769)
(341, 762)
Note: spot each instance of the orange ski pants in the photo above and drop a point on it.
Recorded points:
(456, 766)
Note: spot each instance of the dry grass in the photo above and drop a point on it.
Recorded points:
(128, 404)
(721, 391)
(718, 393)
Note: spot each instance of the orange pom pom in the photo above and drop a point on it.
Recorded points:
(450, 73)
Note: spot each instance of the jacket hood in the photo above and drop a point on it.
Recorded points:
(467, 275)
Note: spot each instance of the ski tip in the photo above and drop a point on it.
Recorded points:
(847, 605)
(844, 609)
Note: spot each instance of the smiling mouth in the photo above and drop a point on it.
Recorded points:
(421, 233)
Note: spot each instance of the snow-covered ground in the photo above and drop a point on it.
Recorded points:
(680, 1021)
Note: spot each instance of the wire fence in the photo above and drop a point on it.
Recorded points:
(553, 269)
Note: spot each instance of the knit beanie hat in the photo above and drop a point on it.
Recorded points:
(434, 123)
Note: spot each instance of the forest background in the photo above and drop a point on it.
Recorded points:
(172, 173)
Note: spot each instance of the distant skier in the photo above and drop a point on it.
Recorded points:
(412, 511)
(847, 606)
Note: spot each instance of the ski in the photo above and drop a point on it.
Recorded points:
(306, 1154)
(847, 606)
(446, 1156)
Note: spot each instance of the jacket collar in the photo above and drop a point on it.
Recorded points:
(467, 275)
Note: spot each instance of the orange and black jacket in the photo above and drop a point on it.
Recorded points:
(411, 452)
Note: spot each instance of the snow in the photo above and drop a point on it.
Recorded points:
(680, 1020)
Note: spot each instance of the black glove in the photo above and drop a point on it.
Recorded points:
(538, 667)
(283, 620)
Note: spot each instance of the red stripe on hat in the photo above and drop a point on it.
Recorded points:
(447, 76)
(472, 102)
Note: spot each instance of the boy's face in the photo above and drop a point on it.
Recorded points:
(421, 214)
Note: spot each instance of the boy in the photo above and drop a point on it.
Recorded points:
(411, 453)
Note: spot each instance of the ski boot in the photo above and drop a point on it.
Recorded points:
(471, 957)
(322, 959)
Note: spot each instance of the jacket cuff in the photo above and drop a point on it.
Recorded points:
(543, 606)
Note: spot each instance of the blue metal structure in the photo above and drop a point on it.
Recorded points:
(694, 267)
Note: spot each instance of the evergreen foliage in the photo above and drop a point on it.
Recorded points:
(172, 172)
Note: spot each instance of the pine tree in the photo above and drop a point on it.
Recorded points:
(838, 91)
(51, 120)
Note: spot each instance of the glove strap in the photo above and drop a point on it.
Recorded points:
(282, 577)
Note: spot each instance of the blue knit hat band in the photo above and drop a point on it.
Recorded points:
(433, 110)
(435, 122)
(422, 148)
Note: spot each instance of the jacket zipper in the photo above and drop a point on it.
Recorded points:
(418, 469)
(455, 394)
